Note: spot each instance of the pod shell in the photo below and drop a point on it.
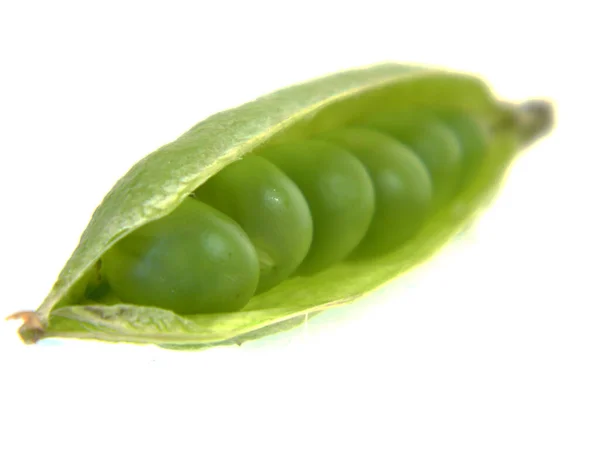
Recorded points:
(160, 182)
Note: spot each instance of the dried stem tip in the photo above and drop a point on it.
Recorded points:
(534, 119)
(32, 329)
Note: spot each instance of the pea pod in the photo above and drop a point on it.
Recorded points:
(157, 189)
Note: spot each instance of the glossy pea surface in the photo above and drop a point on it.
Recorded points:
(270, 209)
(195, 260)
(339, 193)
(433, 142)
(403, 188)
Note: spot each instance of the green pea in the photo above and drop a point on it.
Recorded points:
(433, 142)
(474, 140)
(340, 196)
(195, 260)
(403, 189)
(271, 210)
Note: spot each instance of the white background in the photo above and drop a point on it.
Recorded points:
(494, 345)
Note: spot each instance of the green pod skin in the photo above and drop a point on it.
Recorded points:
(403, 188)
(474, 138)
(271, 210)
(433, 142)
(340, 196)
(195, 260)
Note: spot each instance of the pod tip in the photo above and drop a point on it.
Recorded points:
(533, 119)
(537, 117)
(32, 329)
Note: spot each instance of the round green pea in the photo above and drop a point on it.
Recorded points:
(195, 260)
(340, 196)
(474, 139)
(403, 188)
(271, 210)
(433, 142)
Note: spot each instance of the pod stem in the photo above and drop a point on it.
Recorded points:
(32, 329)
(532, 119)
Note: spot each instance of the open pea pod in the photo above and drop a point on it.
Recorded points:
(316, 110)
